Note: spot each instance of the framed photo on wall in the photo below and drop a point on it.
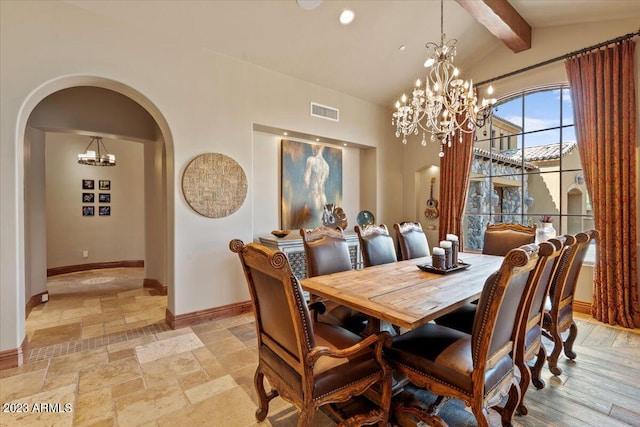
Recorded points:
(87, 184)
(104, 184)
(88, 211)
(104, 197)
(88, 197)
(104, 210)
(311, 178)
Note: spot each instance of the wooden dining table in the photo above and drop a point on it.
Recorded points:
(402, 294)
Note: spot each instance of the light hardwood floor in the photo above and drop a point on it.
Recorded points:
(203, 375)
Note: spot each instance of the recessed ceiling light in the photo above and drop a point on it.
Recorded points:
(345, 144)
(317, 139)
(286, 133)
(308, 4)
(403, 48)
(347, 16)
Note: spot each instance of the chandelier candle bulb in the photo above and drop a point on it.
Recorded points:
(438, 258)
(446, 245)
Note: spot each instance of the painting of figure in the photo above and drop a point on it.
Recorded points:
(311, 178)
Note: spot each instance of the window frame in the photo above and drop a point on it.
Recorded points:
(564, 127)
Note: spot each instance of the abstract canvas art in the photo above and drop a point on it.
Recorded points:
(311, 178)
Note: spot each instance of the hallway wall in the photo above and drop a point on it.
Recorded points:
(117, 237)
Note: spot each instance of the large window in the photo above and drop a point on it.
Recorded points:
(526, 166)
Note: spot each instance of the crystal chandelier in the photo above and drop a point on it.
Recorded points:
(447, 105)
(97, 157)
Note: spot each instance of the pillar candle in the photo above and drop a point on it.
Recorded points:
(438, 258)
(446, 245)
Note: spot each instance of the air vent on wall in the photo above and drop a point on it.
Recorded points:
(329, 113)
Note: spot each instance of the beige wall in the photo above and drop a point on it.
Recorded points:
(267, 167)
(118, 237)
(36, 210)
(205, 103)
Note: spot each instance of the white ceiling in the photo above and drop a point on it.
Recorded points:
(362, 59)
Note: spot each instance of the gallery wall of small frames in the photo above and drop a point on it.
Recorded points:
(89, 197)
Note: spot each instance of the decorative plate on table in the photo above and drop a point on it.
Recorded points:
(365, 218)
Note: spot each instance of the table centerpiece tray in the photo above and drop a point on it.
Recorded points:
(428, 267)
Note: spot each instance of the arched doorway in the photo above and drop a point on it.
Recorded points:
(34, 124)
(575, 206)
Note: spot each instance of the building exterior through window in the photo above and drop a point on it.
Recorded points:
(526, 166)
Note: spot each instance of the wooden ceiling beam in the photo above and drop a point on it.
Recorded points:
(502, 20)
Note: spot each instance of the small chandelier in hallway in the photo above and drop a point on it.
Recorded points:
(446, 106)
(98, 156)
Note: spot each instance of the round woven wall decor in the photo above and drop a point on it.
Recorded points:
(214, 185)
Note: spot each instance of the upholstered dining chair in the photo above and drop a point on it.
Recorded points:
(308, 364)
(412, 240)
(558, 317)
(477, 368)
(501, 238)
(376, 244)
(528, 341)
(326, 252)
(529, 334)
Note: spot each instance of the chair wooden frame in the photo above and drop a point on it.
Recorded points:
(326, 252)
(404, 230)
(529, 336)
(370, 236)
(517, 263)
(528, 235)
(295, 374)
(559, 318)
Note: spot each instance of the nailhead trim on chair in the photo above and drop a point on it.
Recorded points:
(483, 325)
(307, 335)
(345, 386)
(438, 380)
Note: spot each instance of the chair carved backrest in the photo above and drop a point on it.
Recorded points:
(549, 256)
(283, 320)
(326, 251)
(376, 244)
(501, 238)
(308, 364)
(497, 315)
(528, 336)
(558, 316)
(412, 240)
(564, 284)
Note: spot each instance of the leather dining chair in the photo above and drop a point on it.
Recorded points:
(501, 238)
(477, 368)
(376, 244)
(326, 252)
(529, 336)
(411, 240)
(308, 364)
(529, 330)
(558, 316)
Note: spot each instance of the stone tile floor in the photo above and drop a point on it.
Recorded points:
(100, 355)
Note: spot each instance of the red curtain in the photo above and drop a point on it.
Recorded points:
(603, 94)
(455, 169)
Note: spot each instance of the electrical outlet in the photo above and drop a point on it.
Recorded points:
(45, 297)
(85, 254)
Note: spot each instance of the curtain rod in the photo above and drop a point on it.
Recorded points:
(560, 58)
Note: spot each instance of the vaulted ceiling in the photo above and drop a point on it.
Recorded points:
(362, 59)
